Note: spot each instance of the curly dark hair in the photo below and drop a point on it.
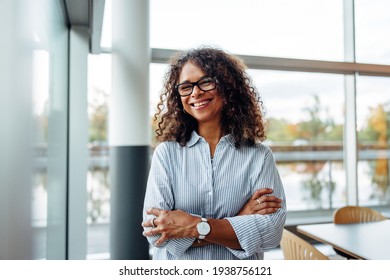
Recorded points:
(242, 113)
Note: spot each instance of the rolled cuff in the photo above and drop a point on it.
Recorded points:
(176, 247)
(255, 233)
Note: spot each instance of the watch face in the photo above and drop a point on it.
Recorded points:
(203, 228)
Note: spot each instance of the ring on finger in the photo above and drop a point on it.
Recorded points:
(152, 222)
(258, 201)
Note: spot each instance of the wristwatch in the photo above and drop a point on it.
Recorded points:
(203, 228)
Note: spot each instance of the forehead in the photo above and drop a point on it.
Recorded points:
(191, 72)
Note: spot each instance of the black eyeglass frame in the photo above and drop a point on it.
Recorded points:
(215, 81)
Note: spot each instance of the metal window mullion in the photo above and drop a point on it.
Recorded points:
(350, 132)
(350, 140)
(290, 64)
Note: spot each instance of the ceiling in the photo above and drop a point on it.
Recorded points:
(87, 13)
(78, 11)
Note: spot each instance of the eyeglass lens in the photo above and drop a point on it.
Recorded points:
(204, 84)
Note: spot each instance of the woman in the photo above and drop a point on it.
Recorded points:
(209, 188)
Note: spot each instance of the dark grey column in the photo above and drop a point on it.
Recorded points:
(129, 126)
(129, 170)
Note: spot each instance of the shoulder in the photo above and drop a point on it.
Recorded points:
(259, 152)
(164, 145)
(262, 147)
(259, 148)
(166, 148)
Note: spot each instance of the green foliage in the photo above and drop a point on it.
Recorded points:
(314, 187)
(376, 125)
(281, 130)
(98, 116)
(368, 134)
(317, 126)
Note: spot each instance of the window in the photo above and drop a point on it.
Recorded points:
(98, 183)
(305, 112)
(297, 29)
(372, 26)
(49, 117)
(373, 124)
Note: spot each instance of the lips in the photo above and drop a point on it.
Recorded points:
(201, 104)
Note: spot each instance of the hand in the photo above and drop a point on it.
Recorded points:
(170, 224)
(261, 203)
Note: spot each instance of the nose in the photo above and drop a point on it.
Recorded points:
(196, 91)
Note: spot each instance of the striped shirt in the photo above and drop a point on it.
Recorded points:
(187, 178)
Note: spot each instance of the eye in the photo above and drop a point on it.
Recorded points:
(206, 81)
(185, 87)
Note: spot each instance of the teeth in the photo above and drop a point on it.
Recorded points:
(201, 103)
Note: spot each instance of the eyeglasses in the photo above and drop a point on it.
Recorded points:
(205, 84)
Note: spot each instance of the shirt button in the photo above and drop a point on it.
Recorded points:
(210, 193)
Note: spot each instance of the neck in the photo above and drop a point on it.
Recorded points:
(212, 134)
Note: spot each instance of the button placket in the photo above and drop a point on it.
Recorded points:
(210, 193)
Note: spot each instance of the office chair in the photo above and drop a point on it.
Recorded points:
(296, 248)
(356, 214)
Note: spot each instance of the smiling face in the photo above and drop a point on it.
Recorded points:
(204, 106)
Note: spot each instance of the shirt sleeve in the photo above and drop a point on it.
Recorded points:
(159, 194)
(260, 233)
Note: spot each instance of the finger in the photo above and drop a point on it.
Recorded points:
(149, 223)
(158, 243)
(269, 199)
(151, 232)
(259, 208)
(265, 205)
(145, 224)
(153, 211)
(267, 211)
(161, 240)
(261, 192)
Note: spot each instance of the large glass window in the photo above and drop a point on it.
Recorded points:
(98, 185)
(49, 115)
(305, 113)
(299, 29)
(372, 29)
(373, 125)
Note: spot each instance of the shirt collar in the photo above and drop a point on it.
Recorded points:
(195, 137)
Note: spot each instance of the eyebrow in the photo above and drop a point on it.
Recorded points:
(187, 81)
